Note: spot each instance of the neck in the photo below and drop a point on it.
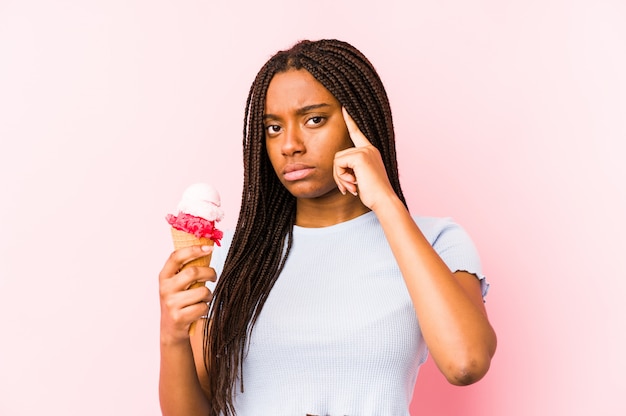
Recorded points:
(324, 212)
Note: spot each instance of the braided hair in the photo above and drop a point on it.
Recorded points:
(263, 235)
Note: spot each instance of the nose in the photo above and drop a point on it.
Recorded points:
(292, 142)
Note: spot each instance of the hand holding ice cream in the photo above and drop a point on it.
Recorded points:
(198, 211)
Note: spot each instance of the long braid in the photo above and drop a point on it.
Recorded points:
(263, 235)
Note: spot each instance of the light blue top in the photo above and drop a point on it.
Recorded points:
(338, 334)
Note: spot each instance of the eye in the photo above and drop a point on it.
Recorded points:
(272, 130)
(315, 121)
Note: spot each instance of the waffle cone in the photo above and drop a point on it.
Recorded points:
(182, 239)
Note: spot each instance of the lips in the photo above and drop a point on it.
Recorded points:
(296, 171)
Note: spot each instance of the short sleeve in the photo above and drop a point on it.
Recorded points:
(454, 246)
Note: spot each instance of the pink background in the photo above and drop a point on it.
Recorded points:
(511, 118)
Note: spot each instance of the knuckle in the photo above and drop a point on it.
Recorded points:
(163, 291)
(176, 316)
(169, 305)
(192, 272)
(174, 256)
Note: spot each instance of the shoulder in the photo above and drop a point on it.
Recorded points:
(436, 228)
(453, 244)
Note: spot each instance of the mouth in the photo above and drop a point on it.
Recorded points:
(296, 171)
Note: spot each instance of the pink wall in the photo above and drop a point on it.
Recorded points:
(511, 118)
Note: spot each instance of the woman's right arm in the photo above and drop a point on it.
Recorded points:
(182, 372)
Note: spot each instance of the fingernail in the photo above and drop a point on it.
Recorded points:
(207, 248)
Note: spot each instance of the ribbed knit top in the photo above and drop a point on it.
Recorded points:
(338, 334)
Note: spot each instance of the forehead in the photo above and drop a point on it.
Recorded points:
(295, 89)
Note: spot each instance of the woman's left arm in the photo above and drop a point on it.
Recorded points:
(449, 305)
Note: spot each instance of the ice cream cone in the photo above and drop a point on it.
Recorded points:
(182, 239)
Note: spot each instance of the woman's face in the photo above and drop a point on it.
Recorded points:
(304, 128)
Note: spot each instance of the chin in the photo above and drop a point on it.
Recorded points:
(309, 192)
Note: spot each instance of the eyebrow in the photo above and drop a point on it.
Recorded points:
(299, 111)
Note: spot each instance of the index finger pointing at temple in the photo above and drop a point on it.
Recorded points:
(357, 137)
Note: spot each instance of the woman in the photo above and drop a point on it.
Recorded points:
(331, 293)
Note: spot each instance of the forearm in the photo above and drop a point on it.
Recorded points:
(456, 330)
(180, 392)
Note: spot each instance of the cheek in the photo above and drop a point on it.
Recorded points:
(342, 136)
(272, 154)
(345, 142)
